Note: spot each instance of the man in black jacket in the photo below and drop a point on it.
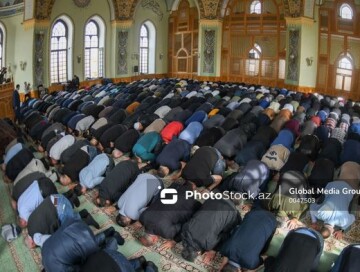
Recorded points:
(72, 243)
(167, 220)
(211, 224)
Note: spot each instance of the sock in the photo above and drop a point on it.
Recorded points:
(109, 232)
(83, 213)
(119, 239)
(91, 221)
(77, 190)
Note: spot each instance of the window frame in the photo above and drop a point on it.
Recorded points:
(88, 68)
(341, 11)
(344, 73)
(59, 75)
(144, 60)
(254, 9)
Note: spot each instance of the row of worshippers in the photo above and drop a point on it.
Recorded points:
(226, 130)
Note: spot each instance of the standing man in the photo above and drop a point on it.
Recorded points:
(16, 102)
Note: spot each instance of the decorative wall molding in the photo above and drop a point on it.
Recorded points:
(124, 9)
(293, 8)
(293, 57)
(210, 23)
(299, 21)
(39, 58)
(126, 24)
(39, 24)
(209, 9)
(43, 9)
(153, 6)
(209, 51)
(122, 53)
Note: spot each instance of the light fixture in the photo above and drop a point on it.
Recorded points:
(161, 55)
(309, 61)
(22, 65)
(78, 59)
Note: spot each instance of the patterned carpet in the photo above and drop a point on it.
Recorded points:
(15, 256)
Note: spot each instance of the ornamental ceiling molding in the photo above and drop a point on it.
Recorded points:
(293, 8)
(43, 9)
(209, 9)
(124, 9)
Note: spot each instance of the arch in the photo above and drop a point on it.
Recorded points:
(2, 46)
(94, 46)
(344, 72)
(255, 7)
(66, 54)
(346, 11)
(147, 46)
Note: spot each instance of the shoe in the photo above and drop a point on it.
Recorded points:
(75, 200)
(119, 239)
(152, 266)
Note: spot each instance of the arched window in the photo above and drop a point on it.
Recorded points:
(147, 44)
(92, 57)
(252, 63)
(255, 7)
(144, 50)
(346, 12)
(58, 52)
(344, 73)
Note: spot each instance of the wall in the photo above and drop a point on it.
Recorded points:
(19, 47)
(79, 17)
(160, 20)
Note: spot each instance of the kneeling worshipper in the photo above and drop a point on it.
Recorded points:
(93, 174)
(205, 168)
(166, 221)
(147, 147)
(125, 143)
(173, 157)
(218, 217)
(290, 199)
(348, 260)
(73, 242)
(137, 198)
(48, 217)
(108, 260)
(116, 182)
(334, 208)
(300, 252)
(248, 241)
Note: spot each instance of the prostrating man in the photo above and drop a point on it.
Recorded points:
(290, 199)
(72, 243)
(258, 225)
(147, 147)
(165, 220)
(108, 260)
(205, 168)
(48, 217)
(334, 209)
(251, 179)
(210, 225)
(116, 182)
(173, 157)
(300, 252)
(93, 174)
(348, 260)
(137, 197)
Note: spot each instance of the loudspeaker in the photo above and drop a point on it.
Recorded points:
(136, 69)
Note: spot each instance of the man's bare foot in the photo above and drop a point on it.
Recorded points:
(168, 245)
(110, 210)
(208, 256)
(224, 261)
(338, 234)
(246, 207)
(315, 226)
